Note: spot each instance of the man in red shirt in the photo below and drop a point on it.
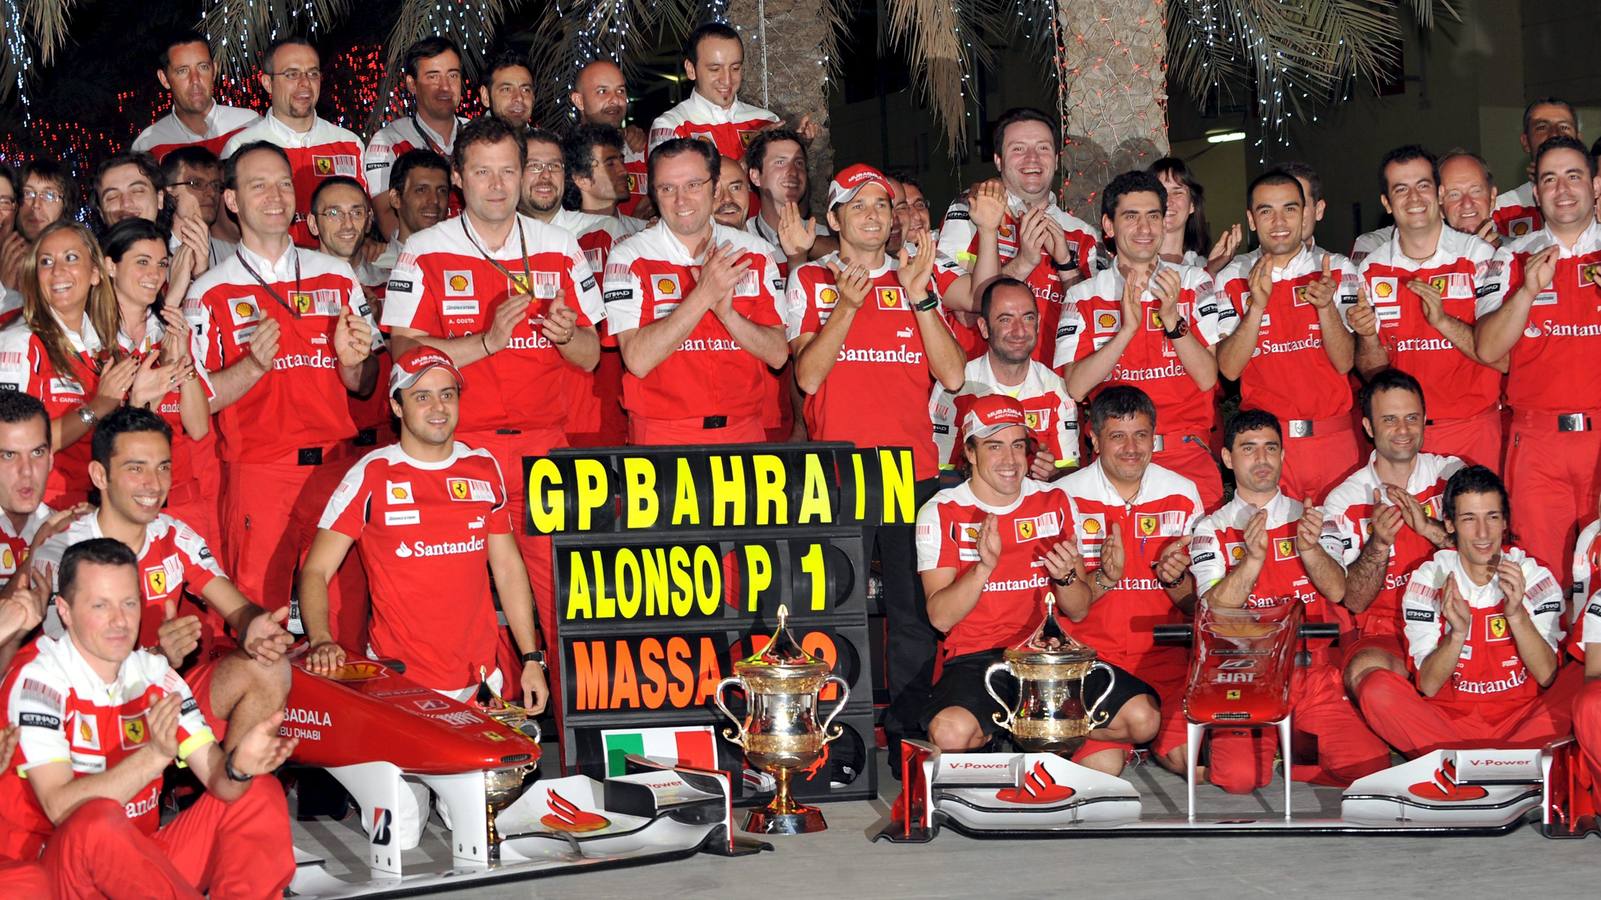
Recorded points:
(1585, 644)
(695, 310)
(1134, 517)
(714, 59)
(1482, 625)
(992, 552)
(1383, 521)
(433, 78)
(508, 92)
(1012, 226)
(287, 335)
(1261, 552)
(600, 95)
(100, 721)
(1419, 310)
(1548, 318)
(1151, 324)
(291, 74)
(1517, 212)
(869, 345)
(1288, 345)
(184, 67)
(513, 303)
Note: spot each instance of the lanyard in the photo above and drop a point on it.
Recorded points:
(268, 288)
(426, 139)
(518, 288)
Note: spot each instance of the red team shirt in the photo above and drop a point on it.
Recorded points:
(1049, 413)
(875, 394)
(1456, 386)
(302, 402)
(25, 366)
(186, 463)
(67, 714)
(322, 152)
(420, 526)
(730, 130)
(595, 407)
(1289, 374)
(1516, 213)
(395, 140)
(958, 252)
(1348, 520)
(1093, 312)
(168, 133)
(443, 285)
(15, 543)
(647, 276)
(1012, 602)
(1563, 335)
(1119, 624)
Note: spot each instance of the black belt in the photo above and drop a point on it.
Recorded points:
(714, 422)
(367, 437)
(508, 431)
(308, 456)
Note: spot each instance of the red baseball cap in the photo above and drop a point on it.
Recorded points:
(411, 366)
(991, 413)
(850, 181)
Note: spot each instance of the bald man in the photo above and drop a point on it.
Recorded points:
(601, 97)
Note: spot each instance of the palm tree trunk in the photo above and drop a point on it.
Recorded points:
(785, 42)
(1115, 80)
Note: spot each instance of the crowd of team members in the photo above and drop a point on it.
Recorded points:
(286, 344)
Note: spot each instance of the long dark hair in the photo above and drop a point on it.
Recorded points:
(1197, 236)
(100, 307)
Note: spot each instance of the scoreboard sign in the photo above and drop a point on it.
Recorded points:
(671, 563)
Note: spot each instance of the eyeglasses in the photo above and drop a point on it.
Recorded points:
(29, 195)
(689, 188)
(543, 168)
(296, 75)
(344, 215)
(194, 184)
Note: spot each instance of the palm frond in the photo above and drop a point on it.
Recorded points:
(570, 35)
(466, 22)
(941, 37)
(239, 30)
(47, 21)
(16, 57)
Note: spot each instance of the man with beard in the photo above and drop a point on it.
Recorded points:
(419, 194)
(1517, 212)
(291, 73)
(1548, 318)
(714, 60)
(184, 67)
(433, 78)
(1417, 311)
(731, 206)
(508, 93)
(869, 345)
(1287, 344)
(775, 162)
(1012, 226)
(194, 175)
(1150, 323)
(596, 174)
(695, 310)
(601, 98)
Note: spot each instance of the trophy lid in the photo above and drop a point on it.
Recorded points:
(783, 656)
(1050, 644)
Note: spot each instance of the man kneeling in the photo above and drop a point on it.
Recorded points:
(988, 551)
(100, 722)
(1482, 626)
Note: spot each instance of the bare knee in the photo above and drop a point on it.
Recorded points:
(1109, 761)
(955, 729)
(1136, 723)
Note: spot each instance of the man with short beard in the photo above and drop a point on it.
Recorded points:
(1010, 324)
(185, 68)
(508, 92)
(1287, 344)
(596, 175)
(1417, 310)
(731, 206)
(600, 96)
(433, 78)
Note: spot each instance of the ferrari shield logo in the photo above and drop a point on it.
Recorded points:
(303, 303)
(323, 164)
(890, 298)
(1284, 548)
(1233, 694)
(745, 137)
(156, 581)
(1031, 421)
(1497, 627)
(458, 488)
(1147, 525)
(518, 285)
(1587, 274)
(1025, 529)
(134, 732)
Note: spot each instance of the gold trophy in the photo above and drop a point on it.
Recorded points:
(1049, 715)
(780, 732)
(503, 786)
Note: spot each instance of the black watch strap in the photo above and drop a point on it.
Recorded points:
(1180, 329)
(535, 656)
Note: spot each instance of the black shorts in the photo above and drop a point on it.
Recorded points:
(961, 683)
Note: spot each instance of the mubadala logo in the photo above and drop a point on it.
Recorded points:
(442, 548)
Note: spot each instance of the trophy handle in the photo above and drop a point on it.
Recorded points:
(844, 697)
(1094, 715)
(1005, 721)
(737, 733)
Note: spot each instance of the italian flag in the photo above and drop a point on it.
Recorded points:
(691, 745)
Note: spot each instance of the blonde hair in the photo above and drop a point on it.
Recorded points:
(100, 308)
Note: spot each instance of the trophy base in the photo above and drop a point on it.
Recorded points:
(799, 820)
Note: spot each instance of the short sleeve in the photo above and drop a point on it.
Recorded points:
(1542, 597)
(36, 704)
(403, 296)
(347, 508)
(930, 537)
(623, 291)
(1420, 608)
(591, 311)
(1206, 557)
(1496, 279)
(378, 160)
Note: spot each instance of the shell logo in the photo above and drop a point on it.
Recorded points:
(970, 531)
(458, 282)
(665, 286)
(828, 297)
(399, 493)
(1520, 228)
(1106, 320)
(1383, 289)
(243, 309)
(1092, 526)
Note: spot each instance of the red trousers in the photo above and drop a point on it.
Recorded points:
(1587, 725)
(1551, 475)
(595, 416)
(1189, 456)
(1477, 439)
(1242, 759)
(23, 881)
(1319, 461)
(1415, 725)
(269, 515)
(659, 432)
(1168, 677)
(225, 850)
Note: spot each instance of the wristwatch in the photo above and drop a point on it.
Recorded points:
(926, 304)
(232, 773)
(1179, 330)
(87, 415)
(1071, 577)
(535, 656)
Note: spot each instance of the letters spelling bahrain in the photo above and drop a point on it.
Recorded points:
(671, 563)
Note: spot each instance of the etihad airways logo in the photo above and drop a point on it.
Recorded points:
(424, 550)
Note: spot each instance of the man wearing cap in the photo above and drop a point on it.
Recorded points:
(993, 552)
(695, 310)
(869, 345)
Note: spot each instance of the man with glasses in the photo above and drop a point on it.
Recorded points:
(48, 193)
(194, 174)
(317, 149)
(184, 67)
(433, 78)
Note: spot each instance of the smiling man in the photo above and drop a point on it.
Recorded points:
(433, 78)
(1517, 212)
(714, 60)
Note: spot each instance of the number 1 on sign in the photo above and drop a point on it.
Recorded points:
(812, 565)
